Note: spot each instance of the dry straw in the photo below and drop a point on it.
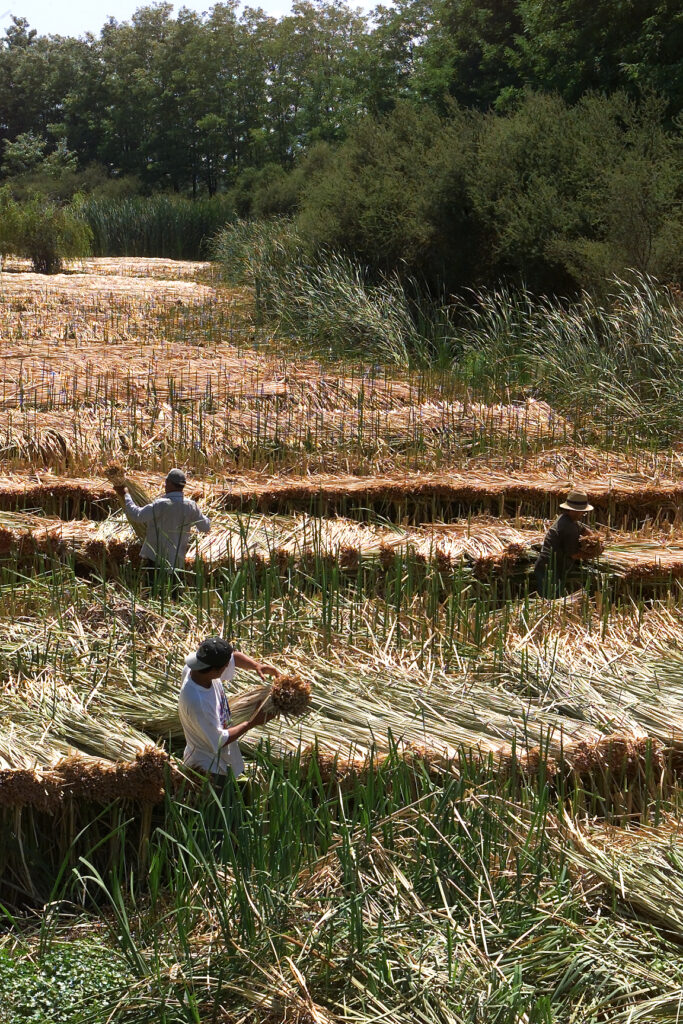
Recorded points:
(84, 779)
(288, 696)
(627, 497)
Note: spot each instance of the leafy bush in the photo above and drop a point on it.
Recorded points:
(43, 231)
(49, 234)
(9, 222)
(553, 197)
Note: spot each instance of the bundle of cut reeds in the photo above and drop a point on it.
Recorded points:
(591, 545)
(288, 696)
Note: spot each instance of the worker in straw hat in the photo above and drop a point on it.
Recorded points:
(169, 520)
(561, 546)
(211, 742)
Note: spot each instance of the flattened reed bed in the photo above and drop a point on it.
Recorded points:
(18, 284)
(256, 425)
(113, 374)
(121, 266)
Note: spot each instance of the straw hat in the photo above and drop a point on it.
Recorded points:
(577, 501)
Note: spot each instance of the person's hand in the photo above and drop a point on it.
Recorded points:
(264, 670)
(259, 718)
(120, 489)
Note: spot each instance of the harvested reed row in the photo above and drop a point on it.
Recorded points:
(644, 563)
(299, 541)
(642, 867)
(476, 488)
(574, 463)
(617, 760)
(631, 561)
(488, 547)
(83, 779)
(74, 542)
(415, 494)
(121, 365)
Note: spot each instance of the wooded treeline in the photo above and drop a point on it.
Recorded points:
(191, 102)
(459, 140)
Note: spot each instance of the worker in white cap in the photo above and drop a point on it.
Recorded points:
(169, 520)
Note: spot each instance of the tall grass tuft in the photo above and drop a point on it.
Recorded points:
(622, 359)
(327, 300)
(158, 226)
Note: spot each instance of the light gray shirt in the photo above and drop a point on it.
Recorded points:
(168, 520)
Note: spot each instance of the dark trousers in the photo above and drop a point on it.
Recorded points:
(159, 577)
(549, 584)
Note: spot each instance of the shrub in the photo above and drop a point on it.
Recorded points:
(9, 222)
(48, 234)
(549, 196)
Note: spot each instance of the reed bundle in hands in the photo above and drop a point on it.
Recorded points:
(288, 696)
(591, 545)
(116, 475)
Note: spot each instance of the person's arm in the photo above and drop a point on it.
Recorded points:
(200, 522)
(235, 731)
(136, 513)
(210, 727)
(262, 668)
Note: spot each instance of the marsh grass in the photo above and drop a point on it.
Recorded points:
(449, 900)
(157, 226)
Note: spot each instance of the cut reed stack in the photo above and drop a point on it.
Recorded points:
(89, 780)
(625, 499)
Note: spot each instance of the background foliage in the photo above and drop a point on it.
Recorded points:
(455, 141)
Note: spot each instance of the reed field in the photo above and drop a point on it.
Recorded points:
(465, 807)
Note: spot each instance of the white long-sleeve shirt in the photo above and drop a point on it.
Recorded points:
(205, 716)
(168, 520)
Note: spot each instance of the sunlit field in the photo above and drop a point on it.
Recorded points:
(477, 818)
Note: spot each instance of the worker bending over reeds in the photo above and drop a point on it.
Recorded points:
(168, 522)
(211, 742)
(562, 546)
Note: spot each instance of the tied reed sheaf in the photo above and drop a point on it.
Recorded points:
(288, 696)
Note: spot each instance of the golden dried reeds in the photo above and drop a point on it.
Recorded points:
(87, 780)
(410, 492)
(288, 696)
(591, 545)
